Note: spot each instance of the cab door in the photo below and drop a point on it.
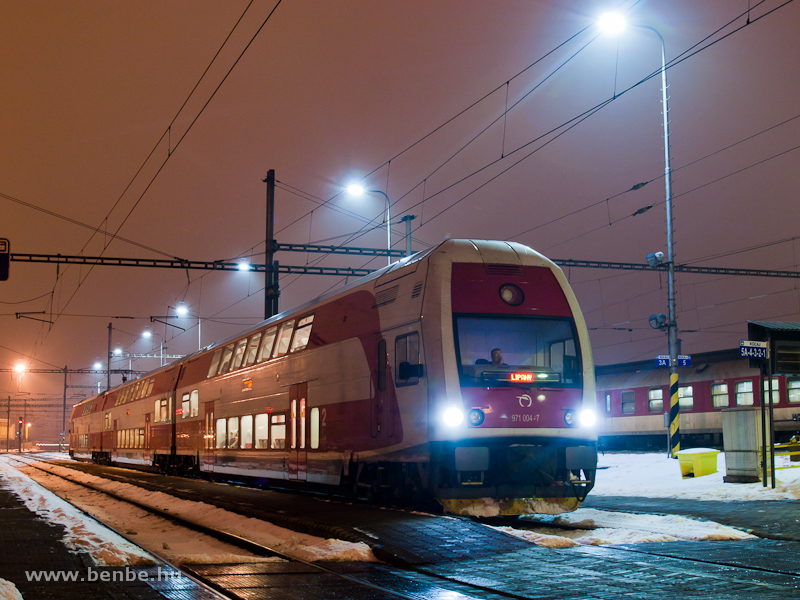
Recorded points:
(298, 432)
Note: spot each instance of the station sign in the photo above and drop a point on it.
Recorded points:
(5, 257)
(684, 360)
(751, 349)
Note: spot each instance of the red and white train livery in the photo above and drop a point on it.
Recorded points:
(386, 387)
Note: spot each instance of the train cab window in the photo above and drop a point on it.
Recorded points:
(407, 368)
(793, 389)
(655, 400)
(262, 431)
(277, 433)
(238, 354)
(285, 335)
(225, 361)
(744, 393)
(212, 370)
(252, 349)
(314, 432)
(719, 395)
(233, 432)
(776, 392)
(246, 432)
(686, 397)
(302, 334)
(266, 344)
(628, 403)
(221, 434)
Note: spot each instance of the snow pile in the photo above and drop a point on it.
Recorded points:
(658, 476)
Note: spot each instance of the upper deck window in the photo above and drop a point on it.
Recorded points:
(533, 350)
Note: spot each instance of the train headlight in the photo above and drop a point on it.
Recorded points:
(453, 416)
(475, 417)
(587, 418)
(570, 417)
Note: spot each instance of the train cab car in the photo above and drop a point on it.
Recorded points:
(393, 386)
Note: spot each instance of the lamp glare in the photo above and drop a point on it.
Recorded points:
(611, 23)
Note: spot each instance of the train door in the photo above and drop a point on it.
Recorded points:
(298, 432)
(146, 449)
(381, 422)
(207, 460)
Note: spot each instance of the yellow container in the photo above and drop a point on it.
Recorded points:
(697, 461)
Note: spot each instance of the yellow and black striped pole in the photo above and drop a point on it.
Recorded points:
(674, 414)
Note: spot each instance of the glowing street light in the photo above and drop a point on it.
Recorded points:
(355, 189)
(147, 334)
(613, 24)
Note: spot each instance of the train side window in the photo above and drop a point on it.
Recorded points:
(222, 436)
(225, 362)
(150, 384)
(314, 417)
(793, 389)
(776, 392)
(252, 348)
(247, 432)
(266, 344)
(185, 406)
(212, 370)
(238, 354)
(283, 339)
(302, 334)
(262, 431)
(655, 400)
(106, 421)
(628, 403)
(608, 402)
(302, 422)
(744, 393)
(161, 411)
(407, 368)
(277, 434)
(233, 432)
(719, 395)
(686, 397)
(194, 403)
(293, 438)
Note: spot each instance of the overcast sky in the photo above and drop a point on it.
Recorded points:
(468, 114)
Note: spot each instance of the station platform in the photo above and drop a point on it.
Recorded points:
(36, 560)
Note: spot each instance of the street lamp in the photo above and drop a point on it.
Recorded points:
(356, 189)
(614, 23)
(147, 334)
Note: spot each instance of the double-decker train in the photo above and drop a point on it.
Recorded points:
(633, 397)
(462, 373)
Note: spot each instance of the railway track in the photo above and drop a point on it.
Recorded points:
(424, 580)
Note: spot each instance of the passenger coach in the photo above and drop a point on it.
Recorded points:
(388, 387)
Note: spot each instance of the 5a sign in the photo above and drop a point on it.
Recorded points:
(5, 257)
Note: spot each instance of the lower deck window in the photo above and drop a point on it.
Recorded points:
(744, 393)
(628, 403)
(719, 395)
(655, 400)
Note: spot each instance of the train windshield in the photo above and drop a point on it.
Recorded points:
(507, 350)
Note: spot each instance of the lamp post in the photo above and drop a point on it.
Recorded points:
(147, 334)
(358, 190)
(614, 23)
(183, 311)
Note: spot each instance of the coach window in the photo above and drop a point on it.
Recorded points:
(686, 397)
(262, 431)
(221, 434)
(225, 362)
(776, 393)
(608, 402)
(247, 432)
(252, 348)
(793, 389)
(302, 334)
(744, 393)
(719, 395)
(238, 354)
(406, 350)
(150, 386)
(628, 403)
(194, 404)
(212, 370)
(161, 412)
(185, 406)
(266, 345)
(655, 400)
(277, 434)
(233, 432)
(314, 415)
(283, 339)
